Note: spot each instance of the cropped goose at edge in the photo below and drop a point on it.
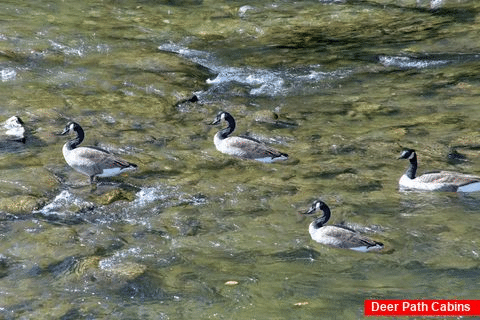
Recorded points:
(435, 180)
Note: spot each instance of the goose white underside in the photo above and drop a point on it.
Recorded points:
(472, 187)
(113, 172)
(367, 249)
(270, 159)
(105, 172)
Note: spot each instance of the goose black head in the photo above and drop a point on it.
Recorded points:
(316, 206)
(319, 205)
(223, 115)
(407, 154)
(71, 127)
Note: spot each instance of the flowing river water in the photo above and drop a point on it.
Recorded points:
(341, 86)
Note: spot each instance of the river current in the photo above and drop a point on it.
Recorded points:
(341, 86)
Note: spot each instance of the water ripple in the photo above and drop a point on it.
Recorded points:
(409, 62)
(258, 82)
(7, 74)
(61, 204)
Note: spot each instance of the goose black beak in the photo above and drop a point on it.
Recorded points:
(64, 132)
(310, 211)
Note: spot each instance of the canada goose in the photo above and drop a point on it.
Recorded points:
(91, 161)
(338, 236)
(436, 180)
(242, 147)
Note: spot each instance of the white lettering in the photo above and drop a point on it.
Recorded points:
(384, 306)
(450, 307)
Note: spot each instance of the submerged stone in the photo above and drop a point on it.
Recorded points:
(113, 196)
(12, 135)
(13, 130)
(127, 269)
(23, 204)
(367, 110)
(25, 190)
(272, 118)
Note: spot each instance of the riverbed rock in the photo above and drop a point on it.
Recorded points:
(12, 134)
(22, 204)
(113, 196)
(13, 129)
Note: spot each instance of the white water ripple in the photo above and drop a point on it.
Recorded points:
(61, 204)
(408, 62)
(259, 82)
(7, 74)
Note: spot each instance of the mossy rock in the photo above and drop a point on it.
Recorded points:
(113, 196)
(364, 109)
(127, 269)
(22, 204)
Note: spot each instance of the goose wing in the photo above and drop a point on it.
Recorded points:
(349, 239)
(448, 177)
(253, 149)
(242, 136)
(102, 159)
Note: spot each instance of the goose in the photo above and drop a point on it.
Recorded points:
(435, 180)
(242, 147)
(337, 236)
(91, 161)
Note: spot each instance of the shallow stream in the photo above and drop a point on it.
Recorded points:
(341, 86)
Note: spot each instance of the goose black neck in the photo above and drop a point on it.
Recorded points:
(80, 135)
(320, 221)
(412, 169)
(229, 129)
